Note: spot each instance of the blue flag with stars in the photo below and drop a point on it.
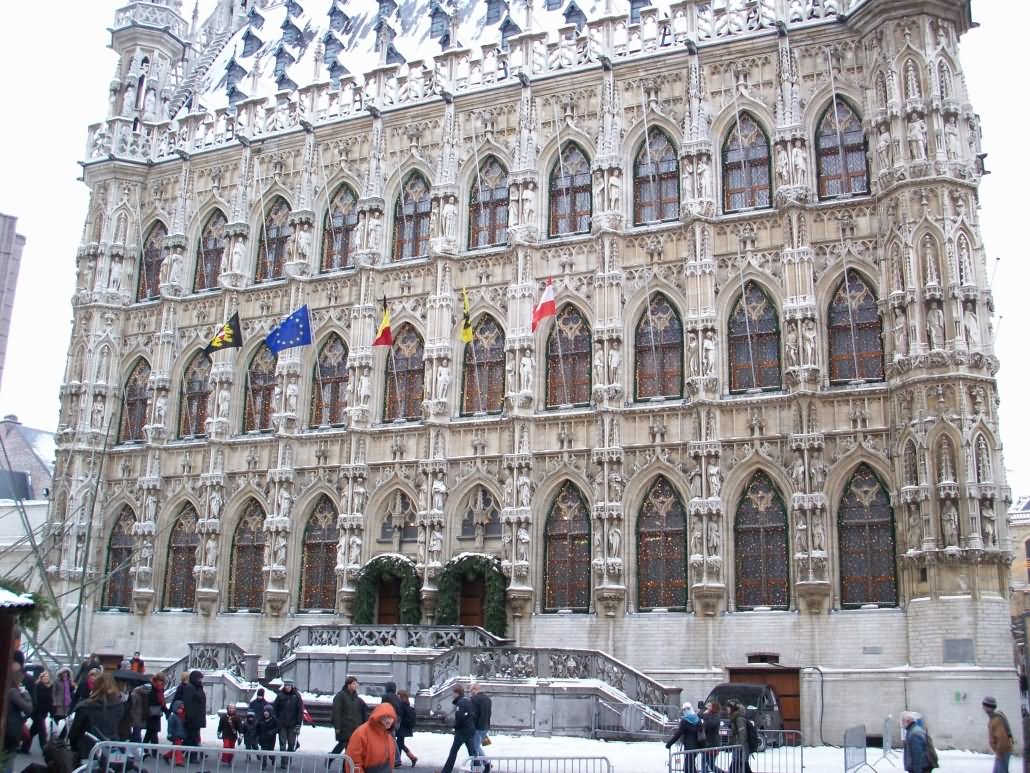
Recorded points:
(295, 330)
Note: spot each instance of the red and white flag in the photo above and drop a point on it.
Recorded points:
(546, 306)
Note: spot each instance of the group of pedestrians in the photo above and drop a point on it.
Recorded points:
(920, 755)
(373, 740)
(699, 736)
(471, 724)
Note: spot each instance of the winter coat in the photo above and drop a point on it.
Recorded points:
(349, 711)
(250, 733)
(999, 735)
(481, 703)
(101, 717)
(267, 730)
(686, 733)
(738, 731)
(372, 746)
(464, 716)
(139, 705)
(64, 693)
(288, 708)
(82, 690)
(258, 706)
(43, 701)
(195, 700)
(711, 723)
(230, 727)
(176, 725)
(391, 697)
(19, 707)
(136, 665)
(156, 703)
(914, 758)
(406, 722)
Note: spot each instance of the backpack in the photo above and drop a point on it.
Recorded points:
(752, 736)
(702, 736)
(931, 754)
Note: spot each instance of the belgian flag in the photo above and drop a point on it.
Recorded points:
(466, 322)
(229, 337)
(384, 335)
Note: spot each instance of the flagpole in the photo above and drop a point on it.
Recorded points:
(475, 366)
(186, 403)
(397, 385)
(561, 361)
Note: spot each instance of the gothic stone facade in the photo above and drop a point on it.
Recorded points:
(764, 419)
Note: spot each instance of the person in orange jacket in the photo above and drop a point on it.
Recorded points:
(371, 747)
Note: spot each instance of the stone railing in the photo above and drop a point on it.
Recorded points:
(150, 15)
(213, 656)
(433, 637)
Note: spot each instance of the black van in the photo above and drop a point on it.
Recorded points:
(760, 704)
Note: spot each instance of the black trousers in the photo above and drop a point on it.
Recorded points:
(460, 739)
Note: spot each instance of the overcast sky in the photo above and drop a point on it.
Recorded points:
(58, 69)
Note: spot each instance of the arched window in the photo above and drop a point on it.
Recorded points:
(754, 338)
(150, 269)
(273, 242)
(856, 347)
(658, 351)
(483, 377)
(656, 183)
(340, 230)
(246, 582)
(760, 546)
(210, 253)
(984, 468)
(662, 549)
(329, 386)
(867, 555)
(745, 166)
(318, 568)
(402, 513)
(118, 585)
(136, 404)
(411, 216)
(944, 79)
(568, 359)
(259, 391)
(196, 388)
(405, 377)
(840, 136)
(567, 552)
(180, 582)
(488, 206)
(911, 469)
(482, 515)
(571, 202)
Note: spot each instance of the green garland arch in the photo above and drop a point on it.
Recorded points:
(495, 615)
(367, 589)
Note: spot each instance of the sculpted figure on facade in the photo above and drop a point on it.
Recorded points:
(599, 369)
(799, 160)
(808, 341)
(525, 490)
(435, 544)
(988, 524)
(522, 544)
(791, 345)
(693, 356)
(916, 137)
(354, 549)
(972, 327)
(526, 373)
(714, 480)
(798, 473)
(949, 523)
(443, 380)
(935, 326)
(614, 541)
(900, 333)
(883, 147)
(714, 538)
(708, 353)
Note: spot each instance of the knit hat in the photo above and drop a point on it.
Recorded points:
(989, 702)
(688, 706)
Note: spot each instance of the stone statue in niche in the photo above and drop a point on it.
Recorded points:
(782, 166)
(279, 549)
(697, 544)
(883, 147)
(285, 503)
(714, 538)
(303, 243)
(439, 494)
(988, 524)
(443, 380)
(375, 231)
(528, 204)
(708, 353)
(798, 473)
(450, 218)
(914, 526)
(292, 393)
(211, 551)
(223, 402)
(599, 371)
(160, 408)
(916, 137)
(614, 363)
(614, 541)
(818, 474)
(972, 327)
(239, 250)
(435, 544)
(800, 534)
(614, 190)
(358, 499)
(704, 179)
(935, 326)
(115, 279)
(808, 341)
(951, 139)
(791, 345)
(693, 354)
(214, 504)
(341, 553)
(522, 544)
(526, 373)
(151, 509)
(354, 550)
(949, 523)
(818, 533)
(365, 389)
(525, 490)
(714, 480)
(799, 160)
(900, 333)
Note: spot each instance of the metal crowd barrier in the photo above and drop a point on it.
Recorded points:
(127, 757)
(538, 765)
(784, 752)
(707, 760)
(855, 749)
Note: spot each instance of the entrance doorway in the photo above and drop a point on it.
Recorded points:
(785, 681)
(473, 600)
(389, 601)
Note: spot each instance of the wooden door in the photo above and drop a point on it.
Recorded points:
(389, 602)
(473, 599)
(787, 684)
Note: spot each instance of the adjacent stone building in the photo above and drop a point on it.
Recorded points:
(11, 245)
(761, 429)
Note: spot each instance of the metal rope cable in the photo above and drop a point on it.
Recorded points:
(740, 262)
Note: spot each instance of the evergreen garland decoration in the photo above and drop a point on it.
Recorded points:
(367, 589)
(495, 615)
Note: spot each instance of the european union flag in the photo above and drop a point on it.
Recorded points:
(295, 330)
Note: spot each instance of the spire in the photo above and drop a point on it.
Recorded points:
(305, 193)
(525, 149)
(376, 175)
(609, 132)
(181, 203)
(242, 203)
(447, 169)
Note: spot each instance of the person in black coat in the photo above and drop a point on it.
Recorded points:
(258, 704)
(688, 731)
(267, 732)
(481, 703)
(464, 727)
(42, 708)
(390, 697)
(710, 722)
(194, 699)
(405, 725)
(288, 708)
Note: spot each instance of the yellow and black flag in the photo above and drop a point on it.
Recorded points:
(228, 337)
(466, 324)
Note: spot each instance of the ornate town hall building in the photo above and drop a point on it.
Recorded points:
(761, 428)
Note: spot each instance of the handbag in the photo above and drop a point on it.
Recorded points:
(486, 740)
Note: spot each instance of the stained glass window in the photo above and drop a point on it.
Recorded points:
(658, 351)
(118, 584)
(483, 378)
(340, 230)
(180, 582)
(656, 185)
(273, 242)
(246, 580)
(481, 512)
(568, 359)
(318, 570)
(150, 269)
(754, 339)
(136, 403)
(571, 193)
(855, 339)
(402, 511)
(662, 549)
(411, 216)
(760, 545)
(260, 391)
(196, 389)
(567, 552)
(329, 385)
(405, 377)
(867, 555)
(840, 135)
(488, 206)
(745, 166)
(210, 253)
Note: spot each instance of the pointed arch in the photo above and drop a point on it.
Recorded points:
(658, 351)
(865, 528)
(259, 391)
(754, 341)
(339, 230)
(913, 82)
(318, 566)
(120, 549)
(150, 262)
(401, 514)
(180, 587)
(405, 376)
(273, 241)
(656, 176)
(412, 213)
(840, 152)
(944, 80)
(488, 205)
(964, 256)
(483, 369)
(910, 464)
(571, 193)
(246, 581)
(760, 546)
(662, 548)
(567, 552)
(210, 252)
(481, 513)
(855, 335)
(746, 166)
(984, 466)
(196, 391)
(329, 387)
(136, 403)
(946, 470)
(568, 359)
